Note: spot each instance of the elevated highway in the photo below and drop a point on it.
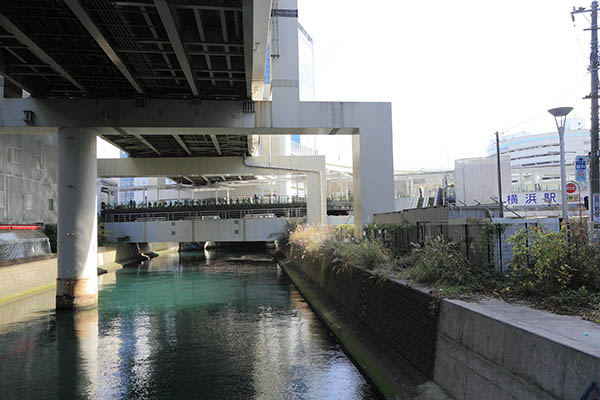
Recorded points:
(186, 88)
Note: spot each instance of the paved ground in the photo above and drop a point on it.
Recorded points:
(568, 330)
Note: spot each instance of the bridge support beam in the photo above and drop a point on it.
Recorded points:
(77, 282)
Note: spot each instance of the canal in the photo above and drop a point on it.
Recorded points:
(195, 325)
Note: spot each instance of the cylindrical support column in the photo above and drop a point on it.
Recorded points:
(77, 283)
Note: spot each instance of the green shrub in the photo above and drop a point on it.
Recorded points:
(338, 254)
(344, 231)
(546, 263)
(371, 254)
(440, 261)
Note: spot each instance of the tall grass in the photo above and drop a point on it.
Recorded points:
(338, 248)
(439, 261)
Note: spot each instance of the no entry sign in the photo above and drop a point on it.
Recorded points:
(571, 187)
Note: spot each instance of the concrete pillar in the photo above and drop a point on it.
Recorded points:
(285, 85)
(372, 165)
(346, 194)
(77, 283)
(316, 198)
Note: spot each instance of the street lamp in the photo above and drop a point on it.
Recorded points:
(560, 117)
(501, 213)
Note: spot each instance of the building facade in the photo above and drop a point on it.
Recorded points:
(28, 171)
(535, 157)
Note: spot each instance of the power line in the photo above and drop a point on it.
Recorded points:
(551, 106)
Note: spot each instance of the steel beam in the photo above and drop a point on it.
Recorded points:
(9, 77)
(139, 137)
(13, 81)
(215, 141)
(203, 38)
(37, 51)
(182, 144)
(155, 35)
(87, 22)
(176, 5)
(226, 39)
(147, 143)
(169, 24)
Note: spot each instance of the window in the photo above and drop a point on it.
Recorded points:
(1, 198)
(50, 204)
(28, 200)
(14, 155)
(39, 162)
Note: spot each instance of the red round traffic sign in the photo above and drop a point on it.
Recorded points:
(571, 188)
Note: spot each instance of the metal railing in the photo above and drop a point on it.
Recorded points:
(287, 212)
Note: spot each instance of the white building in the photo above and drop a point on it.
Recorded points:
(535, 157)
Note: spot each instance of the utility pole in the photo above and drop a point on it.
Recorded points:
(501, 213)
(594, 128)
(594, 96)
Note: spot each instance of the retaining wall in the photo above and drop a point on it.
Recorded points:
(512, 352)
(22, 277)
(405, 317)
(488, 349)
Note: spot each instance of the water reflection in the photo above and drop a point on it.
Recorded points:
(77, 351)
(178, 327)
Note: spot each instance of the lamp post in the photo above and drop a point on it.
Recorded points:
(560, 117)
(501, 213)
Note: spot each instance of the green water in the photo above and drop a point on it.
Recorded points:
(177, 327)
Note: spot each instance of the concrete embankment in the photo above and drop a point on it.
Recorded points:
(511, 351)
(26, 276)
(410, 344)
(394, 350)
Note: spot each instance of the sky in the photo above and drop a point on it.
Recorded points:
(455, 71)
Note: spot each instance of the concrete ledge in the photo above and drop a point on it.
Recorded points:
(514, 352)
(392, 375)
(24, 260)
(24, 277)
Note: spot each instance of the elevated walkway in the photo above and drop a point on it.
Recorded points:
(201, 211)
